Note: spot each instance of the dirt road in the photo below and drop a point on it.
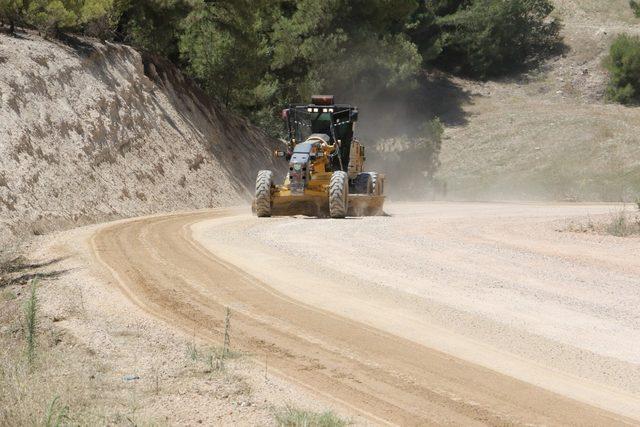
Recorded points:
(439, 314)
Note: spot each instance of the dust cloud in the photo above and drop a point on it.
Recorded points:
(403, 133)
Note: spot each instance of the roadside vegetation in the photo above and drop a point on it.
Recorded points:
(623, 64)
(49, 377)
(635, 6)
(623, 223)
(294, 417)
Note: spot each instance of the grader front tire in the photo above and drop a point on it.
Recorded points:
(338, 195)
(264, 182)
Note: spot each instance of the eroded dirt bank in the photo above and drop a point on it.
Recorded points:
(94, 131)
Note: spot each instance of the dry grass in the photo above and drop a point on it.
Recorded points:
(35, 390)
(39, 382)
(50, 375)
(294, 417)
(620, 224)
(214, 358)
(623, 224)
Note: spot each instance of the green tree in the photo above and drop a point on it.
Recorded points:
(53, 16)
(99, 18)
(355, 49)
(221, 46)
(153, 25)
(484, 38)
(623, 64)
(424, 28)
(12, 12)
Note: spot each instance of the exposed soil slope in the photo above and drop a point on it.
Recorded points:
(91, 132)
(549, 134)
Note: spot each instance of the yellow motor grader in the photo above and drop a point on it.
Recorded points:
(325, 174)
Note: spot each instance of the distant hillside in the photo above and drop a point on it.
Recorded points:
(92, 132)
(549, 134)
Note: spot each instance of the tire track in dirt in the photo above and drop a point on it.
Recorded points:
(161, 269)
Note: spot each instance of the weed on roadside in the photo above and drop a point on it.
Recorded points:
(580, 227)
(623, 224)
(57, 414)
(214, 357)
(31, 321)
(192, 351)
(295, 417)
(8, 295)
(620, 224)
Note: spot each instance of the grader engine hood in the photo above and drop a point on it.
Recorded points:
(298, 173)
(299, 170)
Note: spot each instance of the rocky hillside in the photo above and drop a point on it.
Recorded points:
(92, 132)
(549, 134)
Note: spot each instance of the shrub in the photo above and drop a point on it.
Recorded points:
(623, 64)
(635, 6)
(623, 224)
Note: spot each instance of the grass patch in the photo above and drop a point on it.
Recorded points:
(620, 224)
(214, 357)
(57, 414)
(31, 320)
(8, 295)
(295, 417)
(623, 224)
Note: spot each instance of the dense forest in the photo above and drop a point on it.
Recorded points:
(257, 55)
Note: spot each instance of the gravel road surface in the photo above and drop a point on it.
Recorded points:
(438, 313)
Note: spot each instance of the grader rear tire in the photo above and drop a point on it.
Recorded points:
(264, 182)
(363, 184)
(338, 195)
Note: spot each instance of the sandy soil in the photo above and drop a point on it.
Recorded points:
(92, 338)
(440, 313)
